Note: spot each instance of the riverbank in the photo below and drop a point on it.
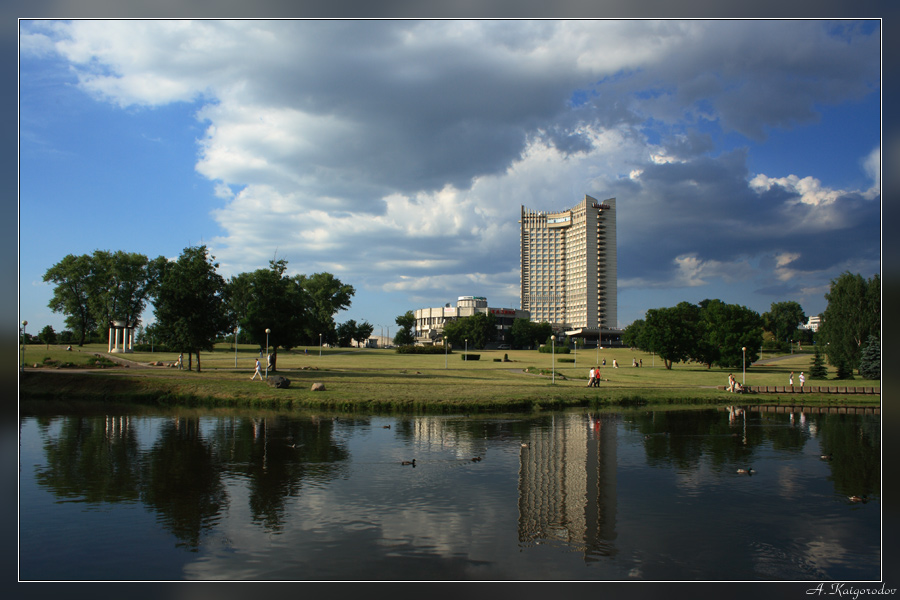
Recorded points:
(384, 381)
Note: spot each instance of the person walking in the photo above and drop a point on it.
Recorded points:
(597, 378)
(802, 379)
(591, 377)
(791, 380)
(258, 371)
(181, 361)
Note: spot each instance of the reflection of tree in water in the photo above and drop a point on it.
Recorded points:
(854, 447)
(183, 481)
(683, 438)
(276, 454)
(92, 458)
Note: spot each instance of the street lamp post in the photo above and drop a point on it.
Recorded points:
(445, 351)
(744, 366)
(320, 345)
(24, 339)
(267, 351)
(235, 347)
(466, 354)
(553, 355)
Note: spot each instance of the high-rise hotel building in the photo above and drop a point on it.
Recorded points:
(568, 265)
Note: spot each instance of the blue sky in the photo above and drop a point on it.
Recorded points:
(744, 155)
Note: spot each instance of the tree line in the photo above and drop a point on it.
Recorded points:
(194, 306)
(729, 336)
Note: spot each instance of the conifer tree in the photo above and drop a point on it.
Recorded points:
(870, 360)
(818, 370)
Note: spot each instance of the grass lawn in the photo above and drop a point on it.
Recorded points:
(383, 379)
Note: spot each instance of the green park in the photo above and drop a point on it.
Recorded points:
(357, 379)
(685, 354)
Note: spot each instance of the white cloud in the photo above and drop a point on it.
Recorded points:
(400, 151)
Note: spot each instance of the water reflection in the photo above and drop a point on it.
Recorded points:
(303, 496)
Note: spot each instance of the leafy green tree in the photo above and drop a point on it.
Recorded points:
(783, 319)
(870, 360)
(526, 334)
(270, 299)
(633, 335)
(817, 369)
(346, 332)
(406, 335)
(73, 292)
(479, 329)
(48, 336)
(852, 315)
(326, 296)
(520, 333)
(724, 330)
(190, 304)
(363, 332)
(672, 333)
(122, 284)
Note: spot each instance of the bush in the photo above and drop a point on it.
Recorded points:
(470, 356)
(411, 349)
(548, 349)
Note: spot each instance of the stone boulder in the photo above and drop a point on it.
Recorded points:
(318, 387)
(276, 381)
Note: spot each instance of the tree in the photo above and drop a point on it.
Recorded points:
(346, 332)
(326, 296)
(672, 332)
(817, 369)
(870, 360)
(190, 306)
(73, 292)
(406, 335)
(783, 320)
(852, 315)
(633, 335)
(48, 336)
(363, 332)
(92, 290)
(526, 334)
(122, 284)
(724, 330)
(269, 299)
(479, 329)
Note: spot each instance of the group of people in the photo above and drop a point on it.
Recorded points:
(733, 385)
(594, 378)
(258, 371)
(791, 380)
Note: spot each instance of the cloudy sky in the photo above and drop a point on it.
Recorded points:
(744, 154)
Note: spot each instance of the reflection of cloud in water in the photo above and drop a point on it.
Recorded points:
(787, 482)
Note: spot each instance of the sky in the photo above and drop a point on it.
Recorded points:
(744, 155)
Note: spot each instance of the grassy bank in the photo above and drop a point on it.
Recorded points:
(382, 380)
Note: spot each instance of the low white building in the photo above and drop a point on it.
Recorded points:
(814, 323)
(430, 321)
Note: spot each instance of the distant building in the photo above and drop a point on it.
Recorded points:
(814, 324)
(430, 321)
(568, 267)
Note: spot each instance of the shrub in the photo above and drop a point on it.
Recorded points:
(411, 349)
(548, 349)
(470, 356)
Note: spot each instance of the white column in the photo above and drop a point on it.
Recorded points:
(109, 346)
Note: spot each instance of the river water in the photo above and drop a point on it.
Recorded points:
(622, 495)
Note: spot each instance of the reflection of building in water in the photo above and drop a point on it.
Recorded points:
(567, 485)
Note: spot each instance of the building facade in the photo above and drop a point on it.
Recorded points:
(568, 266)
(430, 321)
